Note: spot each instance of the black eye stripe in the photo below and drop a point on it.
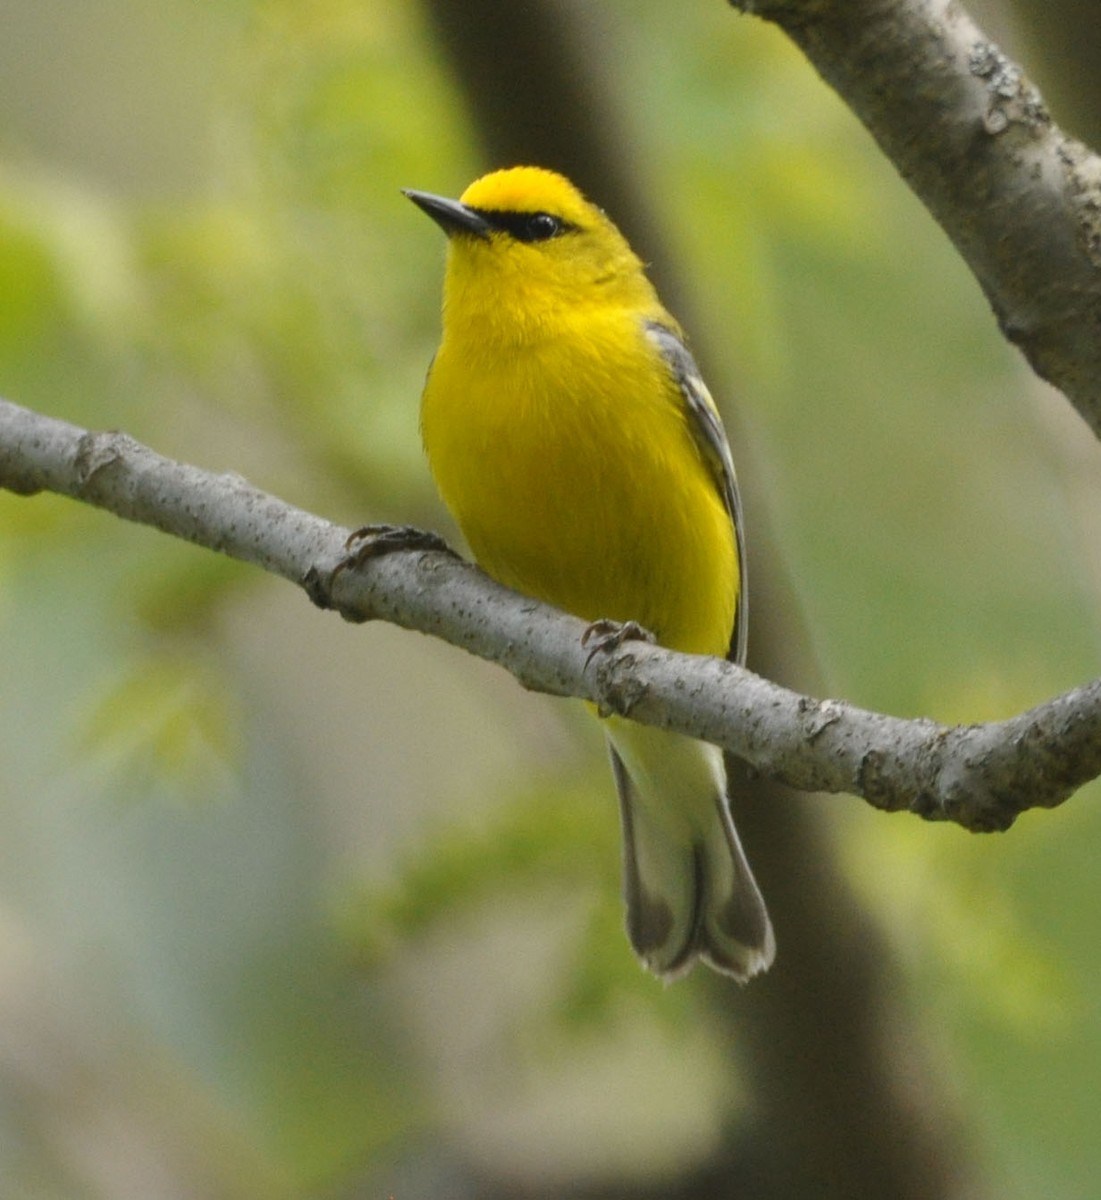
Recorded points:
(526, 226)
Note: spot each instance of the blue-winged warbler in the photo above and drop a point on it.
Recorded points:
(571, 436)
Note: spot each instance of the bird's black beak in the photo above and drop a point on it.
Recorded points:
(451, 216)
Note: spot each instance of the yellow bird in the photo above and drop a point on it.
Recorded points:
(572, 438)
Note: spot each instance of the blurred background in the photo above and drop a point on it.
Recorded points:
(290, 908)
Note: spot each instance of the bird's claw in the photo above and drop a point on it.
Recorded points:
(372, 541)
(367, 542)
(605, 635)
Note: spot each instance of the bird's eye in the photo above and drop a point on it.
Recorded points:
(539, 227)
(525, 226)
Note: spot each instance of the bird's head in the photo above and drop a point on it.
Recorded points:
(525, 237)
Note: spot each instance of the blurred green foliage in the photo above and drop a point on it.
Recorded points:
(321, 976)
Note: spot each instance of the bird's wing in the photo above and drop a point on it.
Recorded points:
(707, 428)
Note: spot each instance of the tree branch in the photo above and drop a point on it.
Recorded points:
(970, 134)
(979, 776)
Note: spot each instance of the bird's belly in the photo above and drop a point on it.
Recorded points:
(598, 512)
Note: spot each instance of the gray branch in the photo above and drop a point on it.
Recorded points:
(970, 134)
(980, 776)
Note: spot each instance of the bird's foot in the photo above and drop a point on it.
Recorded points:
(367, 542)
(373, 541)
(604, 636)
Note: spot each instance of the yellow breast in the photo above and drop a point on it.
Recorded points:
(574, 476)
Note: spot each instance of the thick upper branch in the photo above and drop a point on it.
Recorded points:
(972, 137)
(979, 776)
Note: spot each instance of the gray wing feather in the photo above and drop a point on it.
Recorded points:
(707, 428)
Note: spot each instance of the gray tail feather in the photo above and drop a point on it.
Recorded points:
(706, 905)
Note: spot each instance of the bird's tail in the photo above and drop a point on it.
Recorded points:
(689, 890)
